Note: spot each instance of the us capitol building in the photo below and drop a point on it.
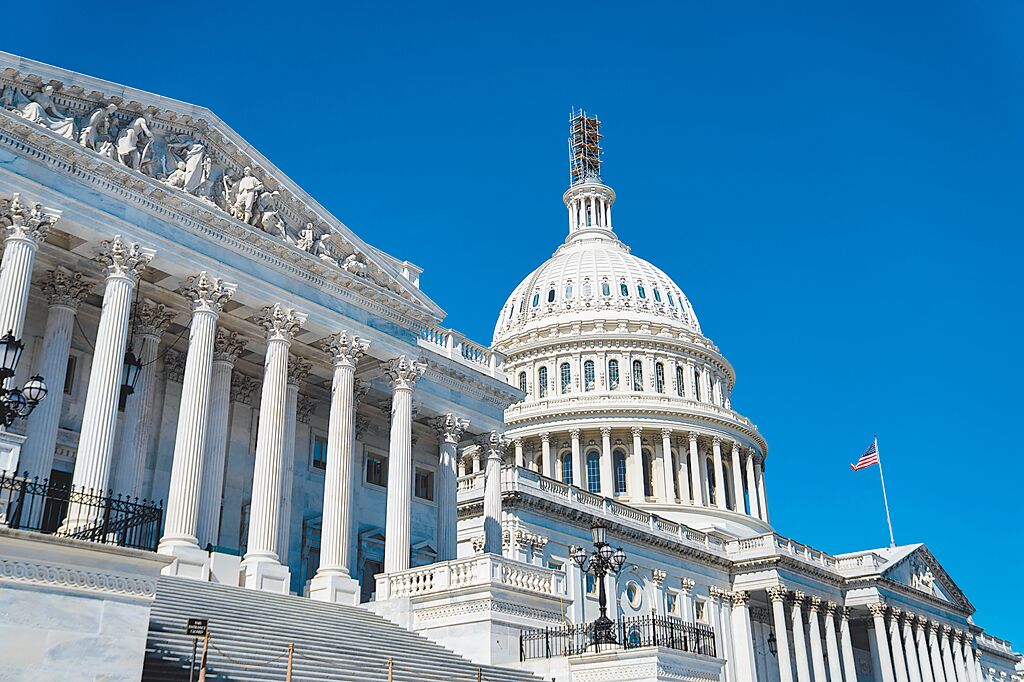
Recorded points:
(222, 404)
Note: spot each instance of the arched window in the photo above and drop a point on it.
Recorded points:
(536, 299)
(613, 375)
(659, 377)
(587, 290)
(588, 375)
(711, 482)
(623, 289)
(679, 381)
(640, 290)
(606, 290)
(619, 460)
(638, 375)
(542, 382)
(567, 468)
(522, 382)
(696, 384)
(657, 295)
(551, 295)
(594, 471)
(566, 376)
(568, 291)
(645, 461)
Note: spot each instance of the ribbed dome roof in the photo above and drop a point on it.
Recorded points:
(590, 274)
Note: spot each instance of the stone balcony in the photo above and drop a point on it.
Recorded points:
(483, 569)
(451, 344)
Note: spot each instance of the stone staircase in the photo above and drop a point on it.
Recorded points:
(250, 632)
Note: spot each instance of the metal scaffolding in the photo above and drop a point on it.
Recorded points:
(584, 147)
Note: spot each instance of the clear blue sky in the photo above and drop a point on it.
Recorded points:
(836, 186)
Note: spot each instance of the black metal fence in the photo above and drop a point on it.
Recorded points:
(630, 633)
(55, 509)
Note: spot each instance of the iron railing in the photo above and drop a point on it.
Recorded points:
(55, 509)
(630, 633)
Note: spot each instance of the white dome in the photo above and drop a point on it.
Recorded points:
(589, 276)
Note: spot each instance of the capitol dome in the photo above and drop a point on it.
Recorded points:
(624, 396)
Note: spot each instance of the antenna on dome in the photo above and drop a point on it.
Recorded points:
(584, 147)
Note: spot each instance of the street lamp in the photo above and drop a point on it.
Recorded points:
(600, 562)
(16, 402)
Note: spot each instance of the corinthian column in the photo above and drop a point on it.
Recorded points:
(298, 370)
(449, 432)
(207, 295)
(124, 262)
(579, 472)
(814, 634)
(636, 468)
(743, 637)
(607, 468)
(958, 656)
(777, 595)
(25, 229)
(151, 320)
(716, 449)
(332, 582)
(494, 446)
(835, 669)
(260, 566)
(878, 610)
(755, 509)
(849, 662)
(803, 669)
(695, 479)
(403, 374)
(737, 480)
(668, 475)
(910, 649)
(921, 639)
(896, 644)
(226, 348)
(64, 291)
(762, 497)
(935, 653)
(947, 657)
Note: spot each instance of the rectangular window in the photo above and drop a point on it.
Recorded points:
(588, 375)
(613, 374)
(591, 585)
(69, 375)
(700, 610)
(424, 484)
(377, 470)
(659, 377)
(672, 604)
(319, 452)
(594, 472)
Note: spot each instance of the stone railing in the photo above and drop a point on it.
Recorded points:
(454, 346)
(995, 644)
(483, 569)
(773, 543)
(865, 560)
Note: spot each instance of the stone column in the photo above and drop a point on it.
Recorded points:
(546, 465)
(494, 447)
(899, 661)
(814, 634)
(579, 471)
(683, 474)
(958, 656)
(123, 262)
(698, 490)
(298, 370)
(25, 228)
(762, 498)
(777, 595)
(607, 468)
(260, 567)
(921, 640)
(910, 649)
(226, 348)
(737, 480)
(878, 610)
(64, 291)
(520, 460)
(635, 477)
(743, 637)
(716, 446)
(151, 320)
(947, 657)
(449, 432)
(667, 467)
(755, 509)
(849, 661)
(207, 296)
(803, 668)
(835, 669)
(403, 374)
(332, 581)
(968, 654)
(935, 653)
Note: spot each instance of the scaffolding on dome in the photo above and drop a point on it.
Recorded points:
(584, 147)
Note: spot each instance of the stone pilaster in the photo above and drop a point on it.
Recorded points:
(207, 295)
(25, 228)
(449, 432)
(494, 446)
(226, 348)
(403, 374)
(260, 566)
(777, 595)
(64, 292)
(123, 261)
(332, 581)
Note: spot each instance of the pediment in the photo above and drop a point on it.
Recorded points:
(921, 572)
(183, 151)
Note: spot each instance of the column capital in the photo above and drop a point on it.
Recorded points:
(692, 435)
(65, 288)
(280, 322)
(844, 613)
(450, 428)
(121, 258)
(152, 318)
(298, 370)
(227, 346)
(946, 631)
(933, 628)
(716, 441)
(636, 431)
(814, 604)
(205, 293)
(403, 372)
(304, 408)
(666, 433)
(174, 365)
(495, 443)
(545, 437)
(359, 390)
(777, 593)
(26, 223)
(740, 598)
(345, 348)
(242, 388)
(736, 448)
(798, 597)
(920, 622)
(894, 613)
(658, 576)
(687, 584)
(878, 609)
(574, 434)
(831, 608)
(606, 432)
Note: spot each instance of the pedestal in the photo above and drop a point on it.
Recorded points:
(335, 588)
(268, 576)
(189, 561)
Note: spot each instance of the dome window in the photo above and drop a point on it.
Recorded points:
(606, 290)
(551, 295)
(588, 375)
(568, 291)
(566, 376)
(638, 375)
(522, 382)
(679, 381)
(696, 384)
(671, 301)
(613, 375)
(641, 291)
(587, 292)
(657, 295)
(567, 468)
(659, 377)
(594, 471)
(536, 300)
(624, 289)
(542, 382)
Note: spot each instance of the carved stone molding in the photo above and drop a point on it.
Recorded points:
(67, 577)
(120, 258)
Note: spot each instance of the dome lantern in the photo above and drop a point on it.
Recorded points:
(588, 199)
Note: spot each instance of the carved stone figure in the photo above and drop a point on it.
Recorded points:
(354, 264)
(177, 178)
(133, 144)
(267, 216)
(246, 193)
(197, 162)
(323, 248)
(97, 128)
(40, 109)
(307, 238)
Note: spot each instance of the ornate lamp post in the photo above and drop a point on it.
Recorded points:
(16, 402)
(600, 562)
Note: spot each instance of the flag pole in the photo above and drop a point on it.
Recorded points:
(885, 497)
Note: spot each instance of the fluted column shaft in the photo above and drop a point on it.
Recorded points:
(607, 466)
(449, 431)
(947, 658)
(899, 661)
(882, 642)
(716, 450)
(403, 374)
(492, 495)
(755, 509)
(737, 480)
(935, 653)
(579, 473)
(135, 425)
(520, 459)
(910, 649)
(743, 637)
(124, 262)
(958, 659)
(695, 467)
(762, 498)
(291, 406)
(849, 661)
(921, 639)
(635, 478)
(777, 595)
(803, 668)
(835, 669)
(25, 229)
(968, 656)
(814, 634)
(667, 467)
(546, 464)
(208, 294)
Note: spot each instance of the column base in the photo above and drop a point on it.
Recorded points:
(189, 560)
(265, 574)
(334, 587)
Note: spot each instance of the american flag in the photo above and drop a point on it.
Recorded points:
(869, 458)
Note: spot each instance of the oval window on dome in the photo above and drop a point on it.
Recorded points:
(606, 290)
(551, 295)
(657, 295)
(641, 291)
(623, 289)
(586, 289)
(536, 300)
(568, 291)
